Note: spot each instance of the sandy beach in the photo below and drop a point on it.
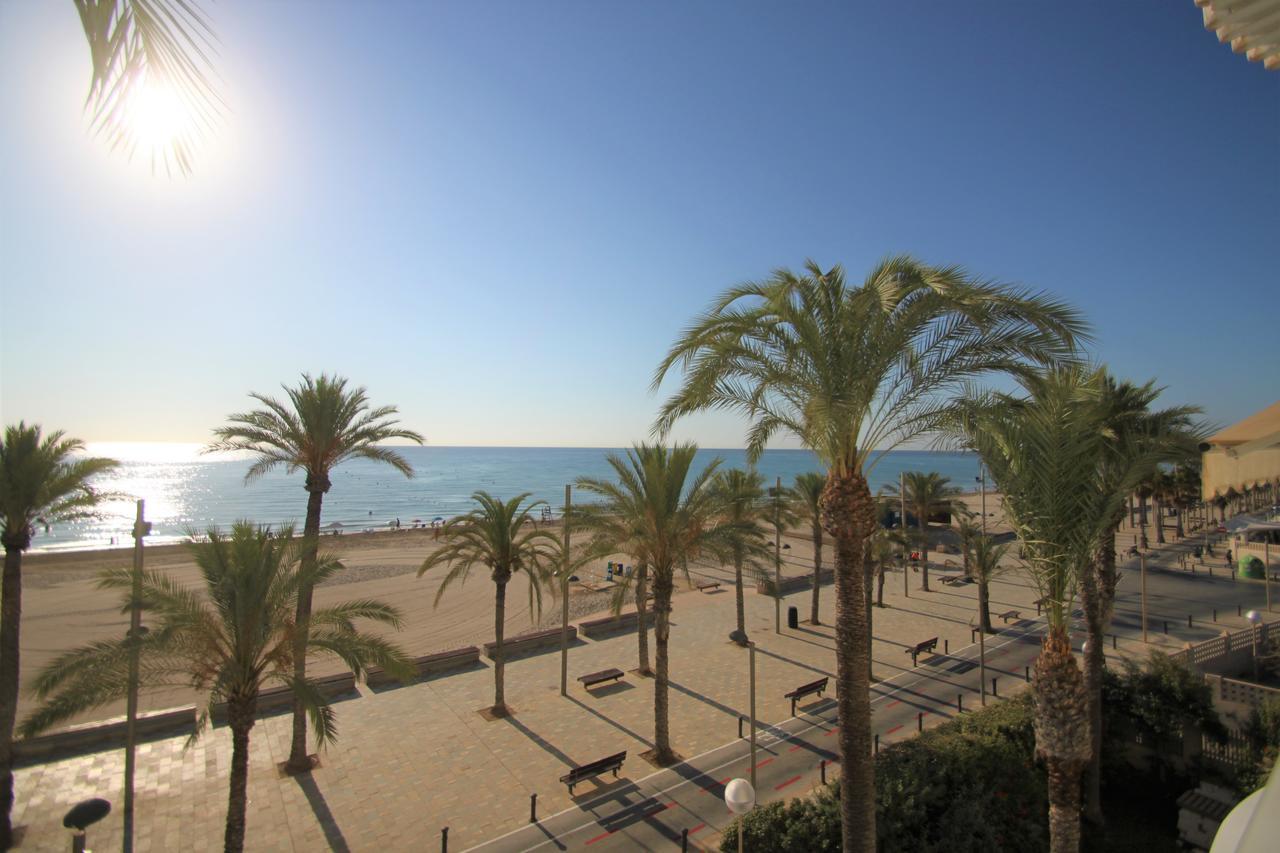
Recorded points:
(62, 607)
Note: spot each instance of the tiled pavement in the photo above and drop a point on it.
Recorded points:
(412, 760)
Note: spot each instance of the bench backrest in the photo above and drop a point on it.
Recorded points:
(926, 645)
(596, 766)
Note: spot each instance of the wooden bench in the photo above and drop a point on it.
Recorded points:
(594, 678)
(805, 690)
(524, 643)
(432, 664)
(703, 586)
(1010, 614)
(921, 648)
(596, 768)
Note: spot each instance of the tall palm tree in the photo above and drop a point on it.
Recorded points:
(808, 508)
(852, 372)
(40, 477)
(501, 536)
(1048, 455)
(1144, 438)
(968, 531)
(928, 494)
(323, 424)
(231, 641)
(664, 516)
(985, 565)
(741, 498)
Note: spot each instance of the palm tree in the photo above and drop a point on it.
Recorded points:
(807, 507)
(664, 517)
(323, 424)
(968, 531)
(852, 372)
(503, 537)
(885, 546)
(1144, 439)
(232, 641)
(985, 565)
(741, 495)
(1048, 455)
(928, 494)
(40, 477)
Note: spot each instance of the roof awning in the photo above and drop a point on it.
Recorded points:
(1251, 27)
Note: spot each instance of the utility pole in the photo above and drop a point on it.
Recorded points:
(1266, 569)
(752, 647)
(1142, 573)
(982, 629)
(777, 574)
(564, 596)
(902, 501)
(141, 528)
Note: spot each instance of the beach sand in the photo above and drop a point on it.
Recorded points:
(63, 608)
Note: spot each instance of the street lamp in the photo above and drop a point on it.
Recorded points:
(83, 815)
(740, 797)
(1254, 618)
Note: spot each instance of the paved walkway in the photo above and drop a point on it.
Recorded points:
(416, 759)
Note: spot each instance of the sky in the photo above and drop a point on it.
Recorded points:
(499, 216)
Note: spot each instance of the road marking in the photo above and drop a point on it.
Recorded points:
(893, 703)
(786, 783)
(600, 836)
(797, 746)
(763, 763)
(696, 828)
(892, 730)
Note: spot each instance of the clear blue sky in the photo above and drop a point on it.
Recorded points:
(498, 216)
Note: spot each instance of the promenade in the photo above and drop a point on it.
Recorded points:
(413, 760)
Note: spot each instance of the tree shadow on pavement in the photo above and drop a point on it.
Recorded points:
(328, 823)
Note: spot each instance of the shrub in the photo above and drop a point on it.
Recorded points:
(969, 784)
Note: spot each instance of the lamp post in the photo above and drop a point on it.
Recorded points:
(1142, 574)
(141, 528)
(752, 679)
(777, 557)
(83, 815)
(564, 596)
(982, 629)
(740, 797)
(1254, 618)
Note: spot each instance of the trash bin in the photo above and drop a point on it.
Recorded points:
(793, 617)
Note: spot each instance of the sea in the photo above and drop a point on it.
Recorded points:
(186, 492)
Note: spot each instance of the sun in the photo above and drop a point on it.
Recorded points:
(162, 125)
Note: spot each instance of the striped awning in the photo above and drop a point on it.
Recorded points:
(1251, 27)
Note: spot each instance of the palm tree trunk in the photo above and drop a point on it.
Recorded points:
(10, 621)
(1142, 521)
(642, 613)
(662, 588)
(984, 604)
(817, 573)
(240, 718)
(868, 577)
(1159, 521)
(924, 552)
(880, 584)
(316, 487)
(848, 515)
(499, 632)
(1180, 528)
(1062, 735)
(1097, 594)
(739, 602)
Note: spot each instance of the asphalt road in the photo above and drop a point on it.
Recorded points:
(651, 812)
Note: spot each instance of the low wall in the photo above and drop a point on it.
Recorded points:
(1228, 653)
(524, 644)
(438, 663)
(105, 734)
(792, 584)
(1240, 692)
(607, 626)
(281, 698)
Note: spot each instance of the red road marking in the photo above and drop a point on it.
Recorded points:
(763, 763)
(786, 783)
(600, 836)
(894, 702)
(831, 731)
(696, 828)
(797, 746)
(892, 730)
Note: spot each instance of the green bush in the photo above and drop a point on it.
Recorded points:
(1159, 699)
(1263, 732)
(969, 784)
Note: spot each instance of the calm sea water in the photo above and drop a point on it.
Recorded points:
(185, 490)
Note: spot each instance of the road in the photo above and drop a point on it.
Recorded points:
(651, 812)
